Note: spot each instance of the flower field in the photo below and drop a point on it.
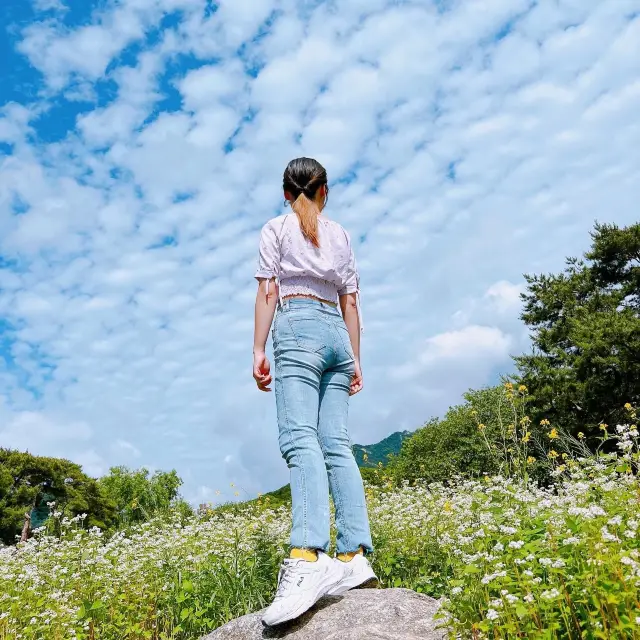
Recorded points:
(510, 560)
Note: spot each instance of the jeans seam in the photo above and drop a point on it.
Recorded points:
(305, 528)
(346, 345)
(339, 520)
(340, 507)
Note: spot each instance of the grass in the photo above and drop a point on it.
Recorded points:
(511, 560)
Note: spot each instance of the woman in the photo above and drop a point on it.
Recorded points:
(306, 267)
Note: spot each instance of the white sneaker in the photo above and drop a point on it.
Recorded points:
(300, 585)
(355, 573)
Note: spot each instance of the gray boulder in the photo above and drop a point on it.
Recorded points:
(361, 614)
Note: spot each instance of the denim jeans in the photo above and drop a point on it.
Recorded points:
(314, 365)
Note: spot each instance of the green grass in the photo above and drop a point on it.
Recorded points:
(509, 558)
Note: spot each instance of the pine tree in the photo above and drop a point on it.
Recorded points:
(585, 328)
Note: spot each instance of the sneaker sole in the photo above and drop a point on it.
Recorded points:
(301, 610)
(370, 582)
(292, 616)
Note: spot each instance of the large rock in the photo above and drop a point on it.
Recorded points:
(362, 614)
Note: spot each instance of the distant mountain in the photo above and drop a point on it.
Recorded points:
(380, 452)
(375, 454)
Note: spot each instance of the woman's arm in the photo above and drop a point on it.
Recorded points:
(349, 306)
(266, 300)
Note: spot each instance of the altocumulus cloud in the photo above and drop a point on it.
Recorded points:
(142, 144)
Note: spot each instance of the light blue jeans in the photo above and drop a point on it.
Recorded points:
(314, 365)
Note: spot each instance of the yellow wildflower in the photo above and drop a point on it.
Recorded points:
(526, 437)
(603, 426)
(544, 423)
(553, 434)
(447, 506)
(530, 460)
(522, 389)
(628, 406)
(481, 427)
(552, 454)
(508, 385)
(581, 436)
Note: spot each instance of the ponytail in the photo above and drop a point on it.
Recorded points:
(307, 212)
(302, 179)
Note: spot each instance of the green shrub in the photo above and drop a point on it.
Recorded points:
(140, 496)
(444, 449)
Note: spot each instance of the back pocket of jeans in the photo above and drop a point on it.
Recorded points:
(307, 334)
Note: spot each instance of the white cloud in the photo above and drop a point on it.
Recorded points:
(85, 52)
(505, 296)
(31, 427)
(46, 436)
(464, 159)
(127, 448)
(49, 5)
(472, 345)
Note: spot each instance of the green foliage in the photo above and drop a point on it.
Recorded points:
(372, 455)
(443, 449)
(139, 496)
(585, 328)
(27, 482)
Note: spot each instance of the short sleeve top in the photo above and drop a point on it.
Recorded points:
(285, 253)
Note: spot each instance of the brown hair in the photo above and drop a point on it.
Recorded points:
(302, 179)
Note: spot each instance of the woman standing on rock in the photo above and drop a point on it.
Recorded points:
(306, 268)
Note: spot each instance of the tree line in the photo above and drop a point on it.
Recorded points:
(33, 487)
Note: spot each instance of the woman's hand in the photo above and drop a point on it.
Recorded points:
(261, 370)
(356, 381)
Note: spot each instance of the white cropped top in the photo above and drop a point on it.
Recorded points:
(325, 272)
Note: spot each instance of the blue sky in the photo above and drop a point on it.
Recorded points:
(142, 144)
